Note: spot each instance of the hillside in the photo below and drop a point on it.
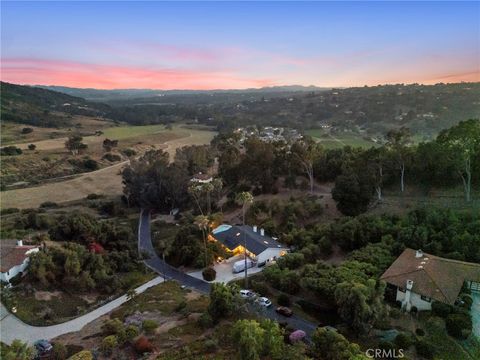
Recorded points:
(44, 108)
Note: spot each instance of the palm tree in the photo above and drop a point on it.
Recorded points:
(244, 198)
(202, 223)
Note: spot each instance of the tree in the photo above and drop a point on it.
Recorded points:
(248, 337)
(245, 199)
(108, 144)
(18, 350)
(224, 299)
(74, 144)
(360, 305)
(306, 152)
(463, 143)
(374, 163)
(202, 222)
(352, 193)
(272, 339)
(330, 345)
(398, 142)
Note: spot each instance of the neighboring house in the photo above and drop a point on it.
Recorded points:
(417, 279)
(260, 247)
(201, 178)
(14, 258)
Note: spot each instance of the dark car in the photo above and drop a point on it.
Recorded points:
(283, 310)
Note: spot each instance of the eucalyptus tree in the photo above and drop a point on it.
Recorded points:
(398, 146)
(306, 152)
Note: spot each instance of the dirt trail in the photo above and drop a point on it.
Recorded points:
(107, 181)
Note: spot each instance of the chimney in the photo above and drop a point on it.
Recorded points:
(408, 293)
(254, 228)
(409, 284)
(262, 232)
(418, 253)
(19, 242)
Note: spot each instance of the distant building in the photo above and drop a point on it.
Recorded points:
(260, 247)
(14, 258)
(201, 178)
(416, 279)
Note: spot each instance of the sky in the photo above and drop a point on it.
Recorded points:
(235, 45)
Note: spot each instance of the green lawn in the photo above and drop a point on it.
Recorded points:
(336, 141)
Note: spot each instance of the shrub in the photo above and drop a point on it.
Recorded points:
(143, 345)
(32, 147)
(459, 325)
(112, 157)
(10, 151)
(59, 351)
(27, 130)
(149, 326)
(205, 321)
(48, 204)
(467, 301)
(404, 341)
(210, 345)
(9, 211)
(441, 309)
(108, 344)
(112, 327)
(386, 345)
(129, 152)
(283, 300)
(260, 287)
(90, 164)
(131, 332)
(181, 305)
(82, 355)
(425, 349)
(209, 274)
(94, 196)
(395, 313)
(420, 332)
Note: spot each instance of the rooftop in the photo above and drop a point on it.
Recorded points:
(438, 278)
(233, 236)
(12, 255)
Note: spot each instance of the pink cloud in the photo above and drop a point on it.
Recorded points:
(76, 74)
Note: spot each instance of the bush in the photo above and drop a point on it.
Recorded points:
(143, 345)
(441, 309)
(149, 326)
(59, 351)
(209, 274)
(260, 287)
(90, 164)
(112, 327)
(10, 151)
(27, 130)
(459, 325)
(131, 332)
(49, 205)
(395, 313)
(82, 355)
(210, 345)
(108, 344)
(467, 301)
(283, 300)
(112, 157)
(420, 332)
(94, 196)
(404, 341)
(425, 349)
(205, 321)
(9, 211)
(181, 305)
(32, 147)
(386, 345)
(129, 152)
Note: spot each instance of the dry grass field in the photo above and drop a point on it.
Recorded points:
(106, 181)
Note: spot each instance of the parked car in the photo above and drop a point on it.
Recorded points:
(285, 311)
(42, 346)
(263, 301)
(247, 294)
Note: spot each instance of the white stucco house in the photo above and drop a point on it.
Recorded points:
(14, 258)
(416, 279)
(260, 247)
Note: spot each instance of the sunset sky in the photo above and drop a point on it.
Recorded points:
(220, 45)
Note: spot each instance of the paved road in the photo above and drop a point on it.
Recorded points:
(12, 328)
(158, 265)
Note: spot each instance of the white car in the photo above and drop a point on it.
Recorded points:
(263, 301)
(247, 294)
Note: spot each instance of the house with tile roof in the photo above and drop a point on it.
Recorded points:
(259, 247)
(14, 258)
(416, 279)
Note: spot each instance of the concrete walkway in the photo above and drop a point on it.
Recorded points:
(12, 328)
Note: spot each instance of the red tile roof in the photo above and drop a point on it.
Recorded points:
(12, 255)
(438, 278)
